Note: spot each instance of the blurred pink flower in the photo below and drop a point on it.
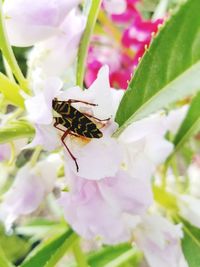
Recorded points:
(121, 57)
(28, 21)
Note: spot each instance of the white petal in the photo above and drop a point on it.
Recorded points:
(28, 21)
(46, 136)
(97, 159)
(49, 58)
(189, 209)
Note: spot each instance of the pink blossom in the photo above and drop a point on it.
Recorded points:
(129, 14)
(138, 35)
(121, 58)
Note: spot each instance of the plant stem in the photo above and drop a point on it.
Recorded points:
(84, 45)
(13, 153)
(9, 55)
(79, 255)
(35, 155)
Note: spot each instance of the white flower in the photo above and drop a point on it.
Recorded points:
(28, 190)
(107, 209)
(28, 21)
(142, 144)
(146, 146)
(193, 173)
(160, 241)
(189, 209)
(54, 55)
(39, 108)
(175, 118)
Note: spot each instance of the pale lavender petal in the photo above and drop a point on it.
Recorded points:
(46, 136)
(28, 21)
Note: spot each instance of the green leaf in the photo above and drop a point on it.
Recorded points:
(189, 126)
(3, 260)
(105, 255)
(16, 130)
(11, 91)
(48, 250)
(191, 244)
(13, 246)
(169, 70)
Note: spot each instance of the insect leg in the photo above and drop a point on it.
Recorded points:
(65, 133)
(62, 130)
(70, 153)
(90, 116)
(56, 126)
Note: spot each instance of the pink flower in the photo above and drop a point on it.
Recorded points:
(107, 209)
(138, 35)
(129, 14)
(124, 56)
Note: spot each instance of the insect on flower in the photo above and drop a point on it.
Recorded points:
(74, 122)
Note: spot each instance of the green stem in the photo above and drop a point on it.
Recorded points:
(9, 55)
(58, 255)
(84, 45)
(79, 255)
(35, 155)
(13, 153)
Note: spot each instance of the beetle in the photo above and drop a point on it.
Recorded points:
(74, 122)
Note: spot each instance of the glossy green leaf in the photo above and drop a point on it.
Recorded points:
(189, 126)
(44, 252)
(169, 70)
(191, 245)
(113, 256)
(11, 91)
(16, 130)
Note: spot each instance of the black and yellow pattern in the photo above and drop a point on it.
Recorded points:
(74, 120)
